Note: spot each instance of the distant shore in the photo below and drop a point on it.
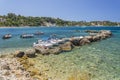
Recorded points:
(50, 26)
(12, 19)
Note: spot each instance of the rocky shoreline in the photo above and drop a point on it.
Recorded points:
(74, 41)
(21, 64)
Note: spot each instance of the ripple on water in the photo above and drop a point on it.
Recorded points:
(99, 62)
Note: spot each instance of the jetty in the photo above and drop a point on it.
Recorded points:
(55, 46)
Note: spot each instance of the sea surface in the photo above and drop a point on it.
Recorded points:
(100, 59)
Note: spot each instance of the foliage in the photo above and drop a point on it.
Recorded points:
(12, 19)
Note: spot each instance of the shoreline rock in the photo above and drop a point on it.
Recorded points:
(68, 46)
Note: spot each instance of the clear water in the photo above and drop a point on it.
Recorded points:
(101, 59)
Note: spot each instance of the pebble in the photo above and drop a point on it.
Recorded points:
(10, 70)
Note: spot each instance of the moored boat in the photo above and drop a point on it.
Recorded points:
(7, 36)
(27, 36)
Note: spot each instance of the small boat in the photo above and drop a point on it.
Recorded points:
(7, 36)
(27, 36)
(38, 33)
(47, 43)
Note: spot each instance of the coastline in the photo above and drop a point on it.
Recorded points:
(51, 26)
(93, 61)
(43, 69)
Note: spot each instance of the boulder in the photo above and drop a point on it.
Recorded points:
(42, 50)
(84, 41)
(19, 54)
(66, 46)
(30, 53)
(96, 38)
(106, 32)
(102, 36)
(75, 42)
(90, 38)
(55, 50)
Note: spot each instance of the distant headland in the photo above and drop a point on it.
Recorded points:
(13, 20)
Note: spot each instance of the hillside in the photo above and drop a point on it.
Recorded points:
(12, 19)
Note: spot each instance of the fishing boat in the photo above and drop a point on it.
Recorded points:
(7, 36)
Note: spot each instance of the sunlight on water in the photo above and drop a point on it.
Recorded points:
(99, 60)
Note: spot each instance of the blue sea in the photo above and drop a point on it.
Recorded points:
(101, 59)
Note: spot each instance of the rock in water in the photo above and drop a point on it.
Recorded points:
(30, 53)
(96, 38)
(55, 50)
(19, 54)
(90, 38)
(66, 46)
(42, 50)
(75, 42)
(84, 41)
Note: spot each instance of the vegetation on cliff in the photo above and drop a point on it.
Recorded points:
(12, 19)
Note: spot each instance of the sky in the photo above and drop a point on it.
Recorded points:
(73, 10)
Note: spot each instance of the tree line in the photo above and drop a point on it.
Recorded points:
(11, 19)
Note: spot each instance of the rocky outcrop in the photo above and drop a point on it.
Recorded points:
(74, 41)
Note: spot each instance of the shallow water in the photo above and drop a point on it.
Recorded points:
(101, 63)
(100, 59)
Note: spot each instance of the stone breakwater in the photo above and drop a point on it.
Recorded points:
(74, 41)
(67, 45)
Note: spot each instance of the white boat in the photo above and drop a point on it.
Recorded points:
(47, 43)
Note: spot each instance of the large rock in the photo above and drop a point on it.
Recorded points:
(106, 32)
(66, 46)
(42, 50)
(96, 38)
(30, 53)
(55, 50)
(90, 38)
(84, 41)
(19, 54)
(75, 42)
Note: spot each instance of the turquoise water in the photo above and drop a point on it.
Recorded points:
(101, 59)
